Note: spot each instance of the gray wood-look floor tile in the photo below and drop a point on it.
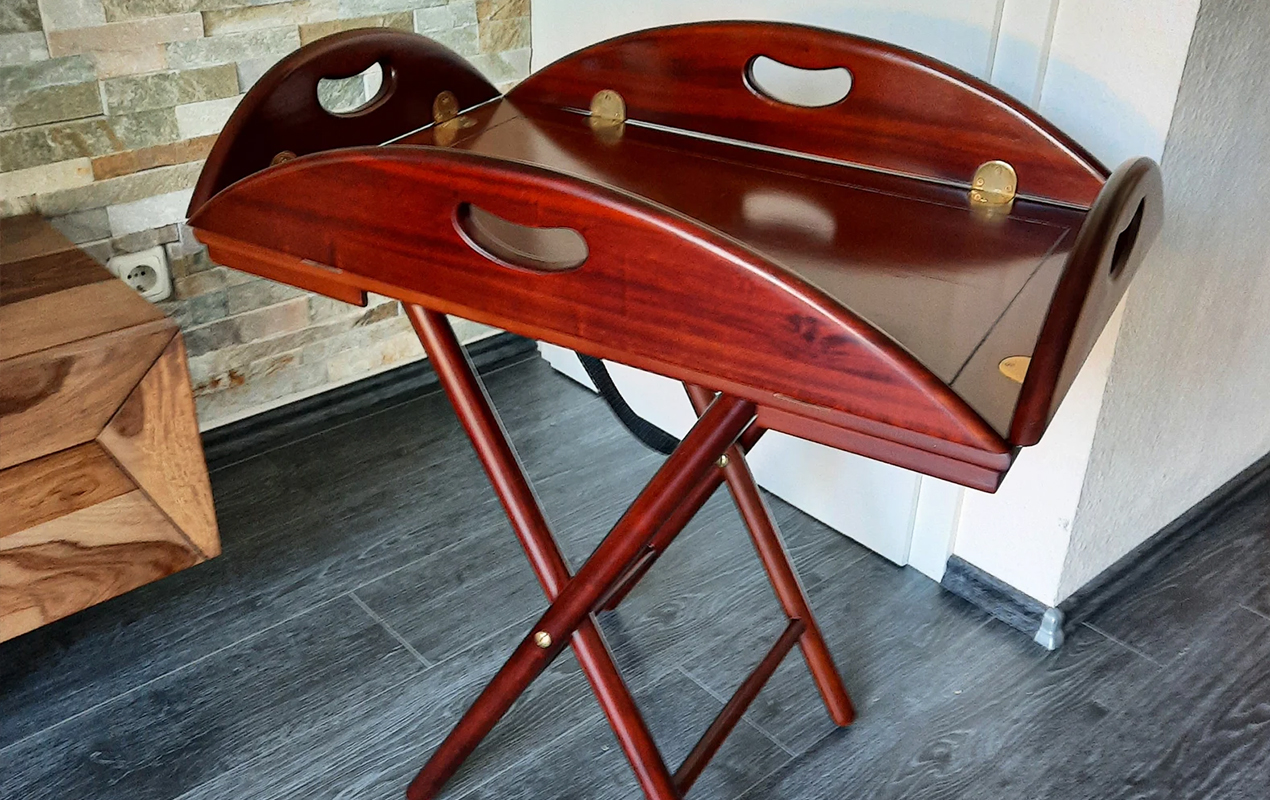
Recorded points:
(370, 587)
(1195, 587)
(241, 703)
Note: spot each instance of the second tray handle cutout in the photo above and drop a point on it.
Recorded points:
(543, 250)
(796, 86)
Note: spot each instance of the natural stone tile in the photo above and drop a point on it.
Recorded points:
(134, 9)
(342, 95)
(205, 118)
(447, 17)
(83, 226)
(149, 212)
(144, 240)
(498, 35)
(503, 68)
(464, 40)
(98, 136)
(48, 91)
(238, 20)
(46, 178)
(249, 71)
(362, 361)
(129, 35)
(59, 14)
(163, 155)
(233, 47)
(165, 89)
(258, 294)
(20, 16)
(402, 21)
(285, 317)
(262, 323)
(22, 48)
(187, 260)
(361, 8)
(17, 206)
(501, 9)
(98, 251)
(113, 63)
(196, 310)
(125, 189)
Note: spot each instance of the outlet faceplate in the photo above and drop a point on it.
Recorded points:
(146, 271)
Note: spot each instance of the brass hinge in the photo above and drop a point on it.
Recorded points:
(994, 185)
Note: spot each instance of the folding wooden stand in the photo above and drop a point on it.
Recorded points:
(684, 482)
(913, 272)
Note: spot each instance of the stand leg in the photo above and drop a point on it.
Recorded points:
(495, 451)
(771, 551)
(570, 610)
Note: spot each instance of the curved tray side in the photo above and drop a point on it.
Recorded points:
(1111, 245)
(904, 112)
(281, 112)
(656, 289)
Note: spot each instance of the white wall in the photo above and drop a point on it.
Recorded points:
(1188, 401)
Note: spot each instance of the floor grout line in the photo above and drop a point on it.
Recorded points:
(1252, 610)
(171, 672)
(1122, 643)
(352, 594)
(744, 717)
(435, 389)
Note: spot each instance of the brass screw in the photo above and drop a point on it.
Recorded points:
(723, 461)
(542, 639)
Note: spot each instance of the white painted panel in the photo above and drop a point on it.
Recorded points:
(1023, 47)
(959, 33)
(1113, 73)
(934, 526)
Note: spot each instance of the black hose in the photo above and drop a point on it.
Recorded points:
(646, 432)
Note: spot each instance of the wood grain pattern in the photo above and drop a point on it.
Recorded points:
(62, 396)
(29, 236)
(154, 437)
(38, 323)
(281, 111)
(60, 566)
(905, 112)
(48, 273)
(656, 291)
(58, 484)
(823, 263)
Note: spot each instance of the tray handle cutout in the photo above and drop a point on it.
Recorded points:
(797, 86)
(542, 250)
(1126, 240)
(359, 93)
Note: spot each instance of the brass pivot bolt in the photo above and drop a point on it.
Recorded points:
(542, 639)
(723, 461)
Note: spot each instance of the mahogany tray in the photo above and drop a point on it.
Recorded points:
(826, 263)
(914, 272)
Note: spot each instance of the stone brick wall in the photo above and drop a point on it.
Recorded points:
(107, 108)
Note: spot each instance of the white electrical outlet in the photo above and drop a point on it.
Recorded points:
(147, 272)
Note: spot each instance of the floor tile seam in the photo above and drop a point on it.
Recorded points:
(1121, 643)
(525, 621)
(185, 795)
(744, 717)
(173, 671)
(414, 563)
(433, 391)
(531, 753)
(427, 664)
(746, 792)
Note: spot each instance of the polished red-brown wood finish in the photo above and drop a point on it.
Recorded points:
(819, 271)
